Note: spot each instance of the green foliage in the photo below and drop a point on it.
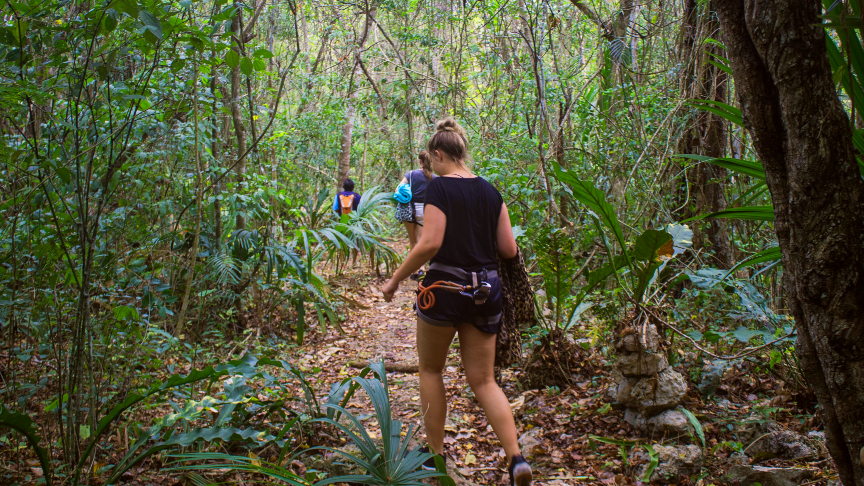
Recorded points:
(26, 427)
(386, 461)
(694, 422)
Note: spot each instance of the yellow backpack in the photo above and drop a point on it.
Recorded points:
(346, 202)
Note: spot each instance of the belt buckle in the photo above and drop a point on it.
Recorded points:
(481, 293)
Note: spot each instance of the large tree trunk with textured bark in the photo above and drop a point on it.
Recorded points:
(705, 132)
(803, 138)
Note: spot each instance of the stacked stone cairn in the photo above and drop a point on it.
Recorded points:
(646, 385)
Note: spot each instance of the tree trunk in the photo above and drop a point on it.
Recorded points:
(236, 116)
(803, 138)
(705, 133)
(215, 149)
(350, 109)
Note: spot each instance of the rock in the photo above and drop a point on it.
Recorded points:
(629, 343)
(768, 476)
(624, 393)
(642, 364)
(652, 397)
(531, 443)
(712, 373)
(615, 380)
(767, 438)
(632, 343)
(634, 418)
(671, 422)
(819, 436)
(674, 461)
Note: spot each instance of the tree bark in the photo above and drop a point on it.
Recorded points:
(705, 133)
(350, 109)
(236, 115)
(803, 138)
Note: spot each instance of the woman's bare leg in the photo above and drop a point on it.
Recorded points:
(478, 358)
(433, 343)
(411, 228)
(418, 230)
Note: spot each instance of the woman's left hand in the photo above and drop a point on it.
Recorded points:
(389, 289)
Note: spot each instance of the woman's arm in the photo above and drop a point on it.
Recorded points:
(403, 181)
(434, 224)
(504, 235)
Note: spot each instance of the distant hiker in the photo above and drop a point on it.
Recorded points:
(467, 227)
(410, 212)
(347, 200)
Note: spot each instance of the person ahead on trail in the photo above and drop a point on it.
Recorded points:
(417, 180)
(347, 200)
(466, 222)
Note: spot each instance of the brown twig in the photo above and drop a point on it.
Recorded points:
(744, 352)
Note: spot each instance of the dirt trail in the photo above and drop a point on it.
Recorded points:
(376, 329)
(553, 427)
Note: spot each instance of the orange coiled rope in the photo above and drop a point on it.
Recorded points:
(426, 299)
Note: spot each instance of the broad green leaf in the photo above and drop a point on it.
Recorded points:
(263, 54)
(110, 22)
(129, 7)
(246, 66)
(125, 313)
(259, 65)
(587, 194)
(151, 23)
(653, 246)
(177, 65)
(26, 427)
(682, 237)
(232, 59)
(744, 335)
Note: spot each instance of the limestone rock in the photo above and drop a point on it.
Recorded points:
(634, 418)
(712, 373)
(624, 393)
(670, 422)
(767, 437)
(768, 476)
(531, 443)
(674, 461)
(642, 364)
(615, 380)
(654, 396)
(629, 343)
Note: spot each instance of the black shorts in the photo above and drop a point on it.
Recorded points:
(453, 308)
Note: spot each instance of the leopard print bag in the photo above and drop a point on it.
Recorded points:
(518, 300)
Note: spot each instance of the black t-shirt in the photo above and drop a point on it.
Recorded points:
(472, 207)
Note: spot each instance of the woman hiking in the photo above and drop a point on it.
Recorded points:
(417, 180)
(466, 222)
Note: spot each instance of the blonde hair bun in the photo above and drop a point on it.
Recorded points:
(451, 125)
(450, 138)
